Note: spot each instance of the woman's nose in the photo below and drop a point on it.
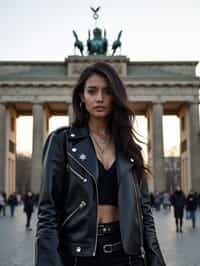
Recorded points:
(99, 96)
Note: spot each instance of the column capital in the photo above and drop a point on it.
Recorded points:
(3, 104)
(158, 101)
(6, 104)
(196, 101)
(153, 105)
(37, 103)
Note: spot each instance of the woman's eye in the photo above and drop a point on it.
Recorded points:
(91, 91)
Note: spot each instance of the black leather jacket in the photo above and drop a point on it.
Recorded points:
(67, 213)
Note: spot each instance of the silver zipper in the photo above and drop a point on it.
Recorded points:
(81, 165)
(95, 246)
(140, 222)
(78, 175)
(142, 248)
(152, 249)
(75, 261)
(81, 205)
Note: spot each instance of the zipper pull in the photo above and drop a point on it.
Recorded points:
(82, 204)
(142, 252)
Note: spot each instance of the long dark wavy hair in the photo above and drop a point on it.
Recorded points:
(121, 118)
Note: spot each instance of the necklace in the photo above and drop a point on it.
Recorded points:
(100, 146)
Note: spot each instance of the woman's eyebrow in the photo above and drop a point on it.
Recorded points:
(95, 87)
(91, 87)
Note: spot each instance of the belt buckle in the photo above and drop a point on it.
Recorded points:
(107, 248)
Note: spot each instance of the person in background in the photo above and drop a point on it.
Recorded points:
(152, 198)
(157, 201)
(178, 202)
(12, 202)
(2, 202)
(191, 206)
(166, 201)
(36, 199)
(28, 208)
(5, 201)
(198, 201)
(19, 198)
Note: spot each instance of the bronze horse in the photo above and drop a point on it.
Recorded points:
(78, 43)
(117, 43)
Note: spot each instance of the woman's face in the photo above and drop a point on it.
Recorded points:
(97, 97)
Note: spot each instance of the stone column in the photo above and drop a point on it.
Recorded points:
(70, 113)
(3, 147)
(11, 117)
(185, 175)
(156, 151)
(190, 147)
(40, 126)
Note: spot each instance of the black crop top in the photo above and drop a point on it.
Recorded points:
(107, 185)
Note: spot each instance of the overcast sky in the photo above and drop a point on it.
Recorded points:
(152, 30)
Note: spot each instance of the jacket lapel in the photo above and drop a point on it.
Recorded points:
(123, 165)
(81, 149)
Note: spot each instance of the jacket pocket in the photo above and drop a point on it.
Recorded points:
(80, 206)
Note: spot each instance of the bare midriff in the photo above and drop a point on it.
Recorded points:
(107, 213)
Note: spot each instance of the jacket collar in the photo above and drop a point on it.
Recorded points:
(82, 149)
(78, 133)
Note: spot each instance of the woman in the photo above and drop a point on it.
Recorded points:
(94, 206)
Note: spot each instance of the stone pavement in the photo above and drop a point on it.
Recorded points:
(17, 244)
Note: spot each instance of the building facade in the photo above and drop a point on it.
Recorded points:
(154, 89)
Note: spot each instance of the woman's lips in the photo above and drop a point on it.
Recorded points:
(99, 108)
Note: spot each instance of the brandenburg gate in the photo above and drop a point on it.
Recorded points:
(43, 89)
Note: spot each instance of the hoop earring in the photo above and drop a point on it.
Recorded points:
(81, 105)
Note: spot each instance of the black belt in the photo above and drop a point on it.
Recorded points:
(109, 248)
(108, 228)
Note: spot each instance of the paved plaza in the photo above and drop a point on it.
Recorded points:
(17, 244)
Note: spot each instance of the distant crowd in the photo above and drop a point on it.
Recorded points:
(182, 204)
(28, 200)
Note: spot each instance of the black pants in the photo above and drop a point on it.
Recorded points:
(28, 219)
(179, 222)
(104, 256)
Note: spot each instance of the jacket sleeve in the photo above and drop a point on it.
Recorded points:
(50, 199)
(153, 253)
